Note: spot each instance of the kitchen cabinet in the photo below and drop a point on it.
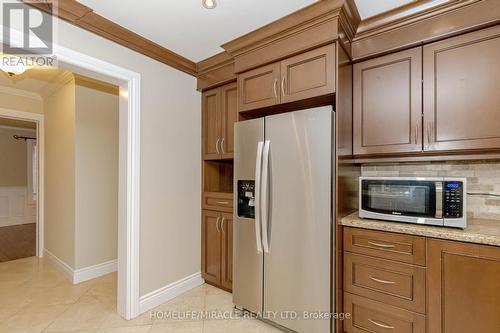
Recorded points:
(304, 76)
(461, 99)
(219, 113)
(463, 287)
(217, 248)
(387, 103)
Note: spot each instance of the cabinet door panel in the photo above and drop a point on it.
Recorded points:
(461, 99)
(387, 104)
(308, 75)
(258, 88)
(229, 94)
(211, 246)
(211, 120)
(227, 251)
(463, 287)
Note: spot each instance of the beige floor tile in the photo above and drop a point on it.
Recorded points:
(132, 329)
(87, 313)
(115, 320)
(65, 294)
(222, 302)
(7, 312)
(240, 325)
(178, 327)
(32, 319)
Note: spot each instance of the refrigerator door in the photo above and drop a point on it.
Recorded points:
(247, 244)
(297, 263)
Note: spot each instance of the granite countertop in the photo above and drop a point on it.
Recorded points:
(480, 231)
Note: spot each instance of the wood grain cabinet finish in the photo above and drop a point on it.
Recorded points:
(219, 113)
(461, 98)
(218, 201)
(386, 245)
(217, 248)
(387, 104)
(397, 284)
(227, 250)
(211, 246)
(463, 287)
(369, 316)
(259, 88)
(308, 74)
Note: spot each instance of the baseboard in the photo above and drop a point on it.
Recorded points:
(168, 292)
(59, 263)
(82, 274)
(92, 272)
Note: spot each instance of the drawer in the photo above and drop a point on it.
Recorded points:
(393, 283)
(222, 202)
(371, 316)
(386, 245)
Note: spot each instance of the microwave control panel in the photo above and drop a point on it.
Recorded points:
(453, 199)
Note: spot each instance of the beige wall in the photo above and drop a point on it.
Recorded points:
(59, 114)
(96, 172)
(13, 162)
(20, 103)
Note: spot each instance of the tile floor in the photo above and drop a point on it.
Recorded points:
(36, 296)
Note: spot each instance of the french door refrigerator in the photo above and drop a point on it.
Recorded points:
(283, 178)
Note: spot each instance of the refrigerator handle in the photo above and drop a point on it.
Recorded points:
(264, 196)
(258, 171)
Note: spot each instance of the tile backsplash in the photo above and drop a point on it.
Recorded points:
(482, 177)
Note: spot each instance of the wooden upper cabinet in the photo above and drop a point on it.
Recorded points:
(229, 95)
(387, 104)
(219, 113)
(211, 123)
(211, 246)
(258, 88)
(461, 98)
(308, 74)
(463, 287)
(227, 250)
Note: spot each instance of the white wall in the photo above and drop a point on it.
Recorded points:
(59, 116)
(170, 159)
(96, 159)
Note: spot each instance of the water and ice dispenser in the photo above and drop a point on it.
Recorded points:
(246, 198)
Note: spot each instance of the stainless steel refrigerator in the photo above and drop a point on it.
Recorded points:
(283, 180)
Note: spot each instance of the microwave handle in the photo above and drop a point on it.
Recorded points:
(439, 200)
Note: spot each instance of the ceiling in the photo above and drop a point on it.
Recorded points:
(32, 81)
(185, 27)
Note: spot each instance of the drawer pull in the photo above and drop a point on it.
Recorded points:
(379, 324)
(381, 281)
(222, 202)
(385, 246)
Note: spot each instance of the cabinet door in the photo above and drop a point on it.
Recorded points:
(211, 246)
(308, 74)
(211, 120)
(258, 88)
(463, 287)
(461, 99)
(387, 104)
(227, 251)
(229, 95)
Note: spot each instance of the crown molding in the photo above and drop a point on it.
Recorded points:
(56, 83)
(20, 93)
(84, 17)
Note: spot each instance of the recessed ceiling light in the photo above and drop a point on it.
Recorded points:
(209, 4)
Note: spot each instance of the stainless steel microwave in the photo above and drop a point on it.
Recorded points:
(434, 201)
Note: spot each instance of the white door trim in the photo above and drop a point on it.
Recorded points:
(40, 135)
(129, 166)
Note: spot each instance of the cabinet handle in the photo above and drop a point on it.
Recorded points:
(222, 225)
(222, 202)
(385, 246)
(217, 224)
(283, 86)
(222, 145)
(275, 89)
(381, 281)
(379, 324)
(217, 146)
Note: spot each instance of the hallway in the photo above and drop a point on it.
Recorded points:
(36, 296)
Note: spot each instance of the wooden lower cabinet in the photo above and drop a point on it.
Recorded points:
(463, 287)
(217, 248)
